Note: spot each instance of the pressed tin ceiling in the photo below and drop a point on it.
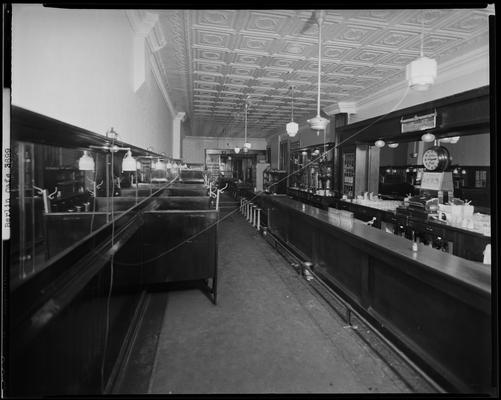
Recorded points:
(214, 59)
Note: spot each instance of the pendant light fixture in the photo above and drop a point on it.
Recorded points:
(237, 149)
(422, 72)
(86, 162)
(319, 123)
(292, 127)
(428, 137)
(379, 143)
(393, 145)
(129, 162)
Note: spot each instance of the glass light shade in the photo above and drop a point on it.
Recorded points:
(247, 145)
(392, 145)
(292, 128)
(169, 165)
(175, 166)
(245, 149)
(421, 73)
(237, 149)
(428, 137)
(379, 143)
(138, 165)
(129, 162)
(158, 165)
(318, 123)
(454, 139)
(86, 162)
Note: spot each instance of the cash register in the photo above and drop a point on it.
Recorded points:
(436, 184)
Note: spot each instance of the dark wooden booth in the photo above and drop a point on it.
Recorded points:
(72, 314)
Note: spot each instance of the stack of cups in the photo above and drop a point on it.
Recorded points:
(457, 214)
(346, 219)
(334, 216)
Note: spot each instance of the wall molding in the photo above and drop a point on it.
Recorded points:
(145, 25)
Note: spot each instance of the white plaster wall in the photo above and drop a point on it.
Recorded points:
(77, 66)
(194, 147)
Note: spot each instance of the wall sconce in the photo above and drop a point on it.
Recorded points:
(379, 143)
(129, 162)
(428, 137)
(392, 145)
(86, 162)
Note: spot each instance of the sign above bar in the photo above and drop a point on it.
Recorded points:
(419, 123)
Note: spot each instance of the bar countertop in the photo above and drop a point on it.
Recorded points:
(468, 272)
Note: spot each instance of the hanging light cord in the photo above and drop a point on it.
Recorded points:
(245, 128)
(320, 19)
(422, 35)
(112, 261)
(292, 107)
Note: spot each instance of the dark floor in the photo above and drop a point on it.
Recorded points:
(269, 333)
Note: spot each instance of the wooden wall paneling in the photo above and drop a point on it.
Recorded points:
(439, 328)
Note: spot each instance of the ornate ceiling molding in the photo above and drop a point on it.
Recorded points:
(217, 57)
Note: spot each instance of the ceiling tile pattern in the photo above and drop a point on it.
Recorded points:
(215, 59)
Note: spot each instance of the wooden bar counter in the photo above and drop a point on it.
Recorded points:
(433, 305)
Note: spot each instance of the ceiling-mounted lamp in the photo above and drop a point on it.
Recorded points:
(452, 140)
(379, 143)
(428, 137)
(393, 145)
(318, 122)
(292, 127)
(86, 162)
(422, 72)
(129, 162)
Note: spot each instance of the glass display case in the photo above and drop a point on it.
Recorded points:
(275, 181)
(311, 170)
